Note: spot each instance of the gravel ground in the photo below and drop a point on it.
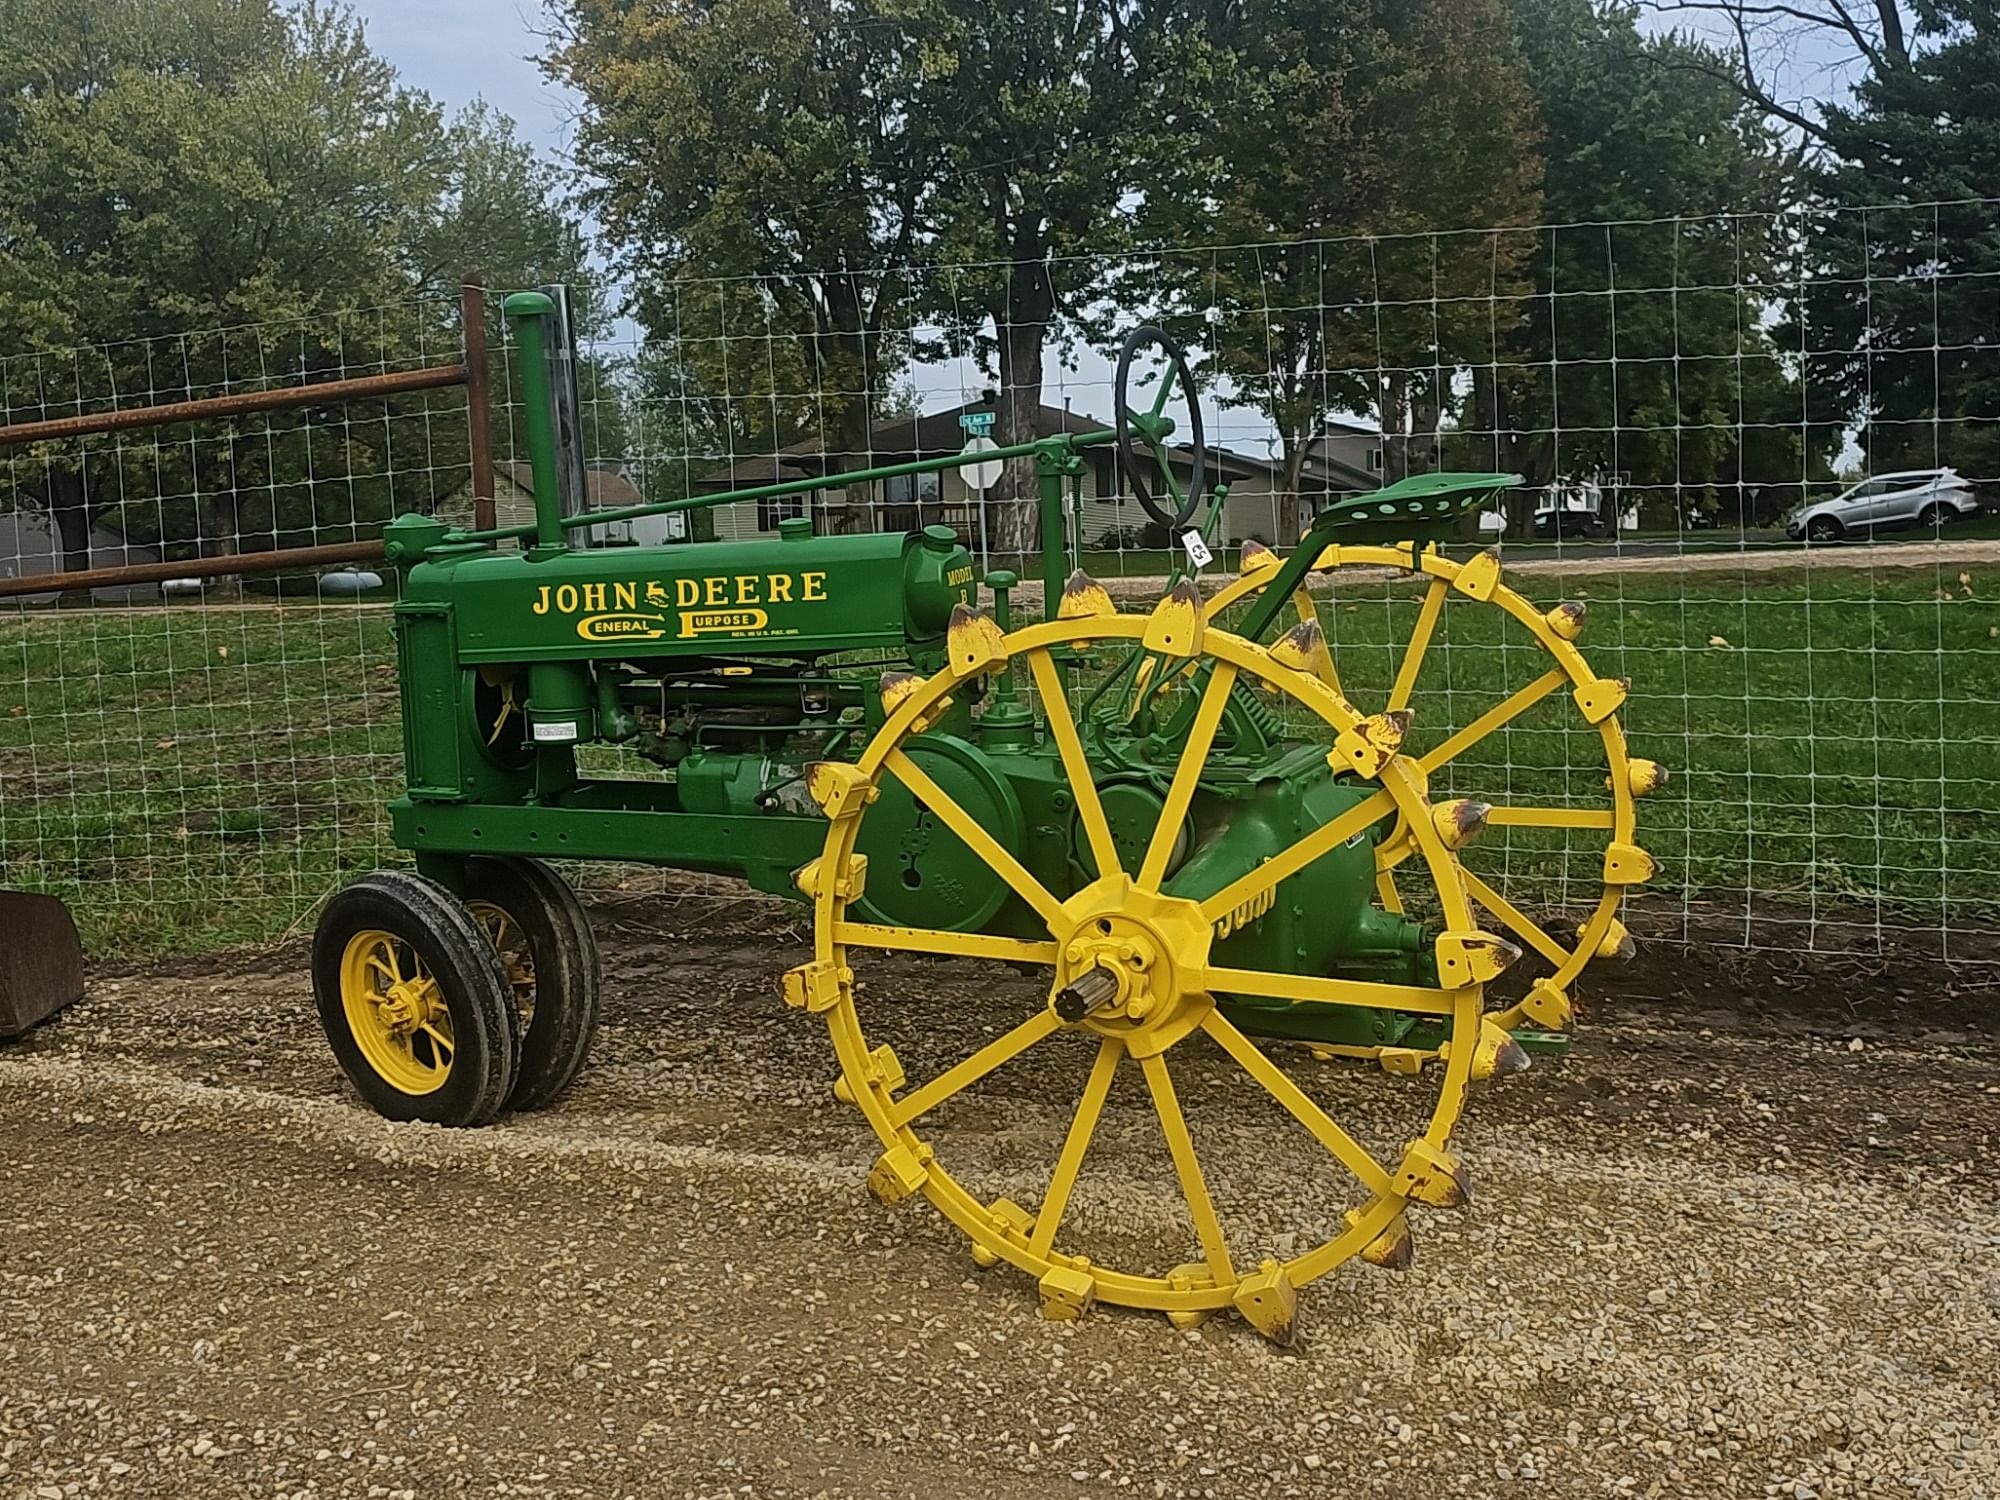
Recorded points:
(1698, 1263)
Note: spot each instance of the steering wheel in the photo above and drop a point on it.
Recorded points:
(1154, 428)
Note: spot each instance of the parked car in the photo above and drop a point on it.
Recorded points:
(1568, 521)
(1929, 498)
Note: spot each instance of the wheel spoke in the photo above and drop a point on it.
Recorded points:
(1366, 993)
(1386, 892)
(1063, 1180)
(1548, 817)
(1420, 641)
(1497, 717)
(1326, 837)
(1083, 786)
(438, 1039)
(1214, 1247)
(1194, 757)
(1350, 1152)
(949, 944)
(1000, 1050)
(387, 971)
(982, 843)
(1512, 916)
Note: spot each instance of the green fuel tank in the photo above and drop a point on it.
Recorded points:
(798, 595)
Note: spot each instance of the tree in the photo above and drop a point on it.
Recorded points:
(1645, 337)
(1897, 253)
(1900, 311)
(761, 178)
(1047, 119)
(168, 165)
(1751, 47)
(1344, 135)
(865, 163)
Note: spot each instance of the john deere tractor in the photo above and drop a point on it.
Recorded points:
(1175, 820)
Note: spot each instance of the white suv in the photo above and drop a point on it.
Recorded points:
(1929, 498)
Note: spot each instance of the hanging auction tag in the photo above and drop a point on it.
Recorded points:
(1197, 550)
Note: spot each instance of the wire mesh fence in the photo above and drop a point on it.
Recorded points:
(196, 761)
(1762, 449)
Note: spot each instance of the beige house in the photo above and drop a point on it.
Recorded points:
(608, 489)
(1110, 516)
(1350, 445)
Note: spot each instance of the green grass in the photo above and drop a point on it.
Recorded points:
(1833, 737)
(194, 778)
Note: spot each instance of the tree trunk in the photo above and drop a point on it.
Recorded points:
(1529, 454)
(1292, 459)
(1410, 417)
(69, 510)
(1521, 505)
(858, 514)
(1023, 332)
(220, 518)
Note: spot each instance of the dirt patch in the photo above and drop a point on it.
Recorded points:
(1700, 1260)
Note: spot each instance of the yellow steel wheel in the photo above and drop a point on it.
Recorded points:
(414, 1001)
(517, 953)
(1595, 808)
(1129, 981)
(396, 1012)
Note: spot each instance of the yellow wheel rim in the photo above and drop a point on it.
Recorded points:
(517, 956)
(396, 1012)
(1608, 819)
(1156, 946)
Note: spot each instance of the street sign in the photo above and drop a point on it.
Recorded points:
(980, 477)
(977, 423)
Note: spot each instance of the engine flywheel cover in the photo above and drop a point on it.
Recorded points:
(920, 874)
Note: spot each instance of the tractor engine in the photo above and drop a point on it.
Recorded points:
(734, 666)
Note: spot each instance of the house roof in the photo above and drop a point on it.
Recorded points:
(938, 434)
(607, 489)
(1353, 426)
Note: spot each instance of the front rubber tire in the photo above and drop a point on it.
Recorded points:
(1823, 529)
(418, 926)
(562, 984)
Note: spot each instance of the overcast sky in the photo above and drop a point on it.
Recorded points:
(459, 50)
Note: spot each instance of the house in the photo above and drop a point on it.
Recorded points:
(1350, 445)
(29, 548)
(607, 488)
(1110, 515)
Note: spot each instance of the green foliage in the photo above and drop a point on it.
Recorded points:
(1047, 120)
(1643, 345)
(232, 165)
(1903, 309)
(1340, 135)
(762, 191)
(837, 169)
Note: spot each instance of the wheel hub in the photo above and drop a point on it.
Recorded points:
(1132, 965)
(406, 1006)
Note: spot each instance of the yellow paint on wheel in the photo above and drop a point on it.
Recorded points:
(396, 1013)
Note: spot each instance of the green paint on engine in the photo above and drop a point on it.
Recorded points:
(661, 705)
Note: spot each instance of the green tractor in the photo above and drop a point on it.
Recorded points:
(1174, 819)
